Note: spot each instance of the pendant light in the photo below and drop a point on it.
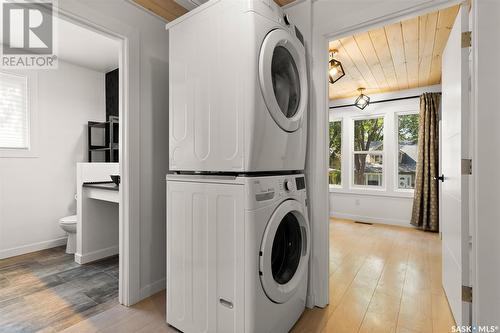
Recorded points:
(362, 101)
(335, 69)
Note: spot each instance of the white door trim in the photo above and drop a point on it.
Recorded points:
(317, 161)
(129, 82)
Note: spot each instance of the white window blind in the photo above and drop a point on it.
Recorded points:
(14, 117)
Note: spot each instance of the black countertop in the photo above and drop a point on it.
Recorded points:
(103, 185)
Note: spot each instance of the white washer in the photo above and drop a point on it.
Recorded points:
(237, 90)
(237, 253)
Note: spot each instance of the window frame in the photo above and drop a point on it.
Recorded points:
(32, 111)
(352, 152)
(396, 188)
(342, 163)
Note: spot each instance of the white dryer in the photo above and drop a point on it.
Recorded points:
(238, 89)
(237, 253)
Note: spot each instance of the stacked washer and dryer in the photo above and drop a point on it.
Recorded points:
(238, 235)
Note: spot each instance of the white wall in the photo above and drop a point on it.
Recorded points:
(301, 15)
(371, 204)
(335, 16)
(148, 134)
(36, 191)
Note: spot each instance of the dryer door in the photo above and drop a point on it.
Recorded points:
(283, 78)
(284, 251)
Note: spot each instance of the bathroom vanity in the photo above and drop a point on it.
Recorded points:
(97, 212)
(105, 191)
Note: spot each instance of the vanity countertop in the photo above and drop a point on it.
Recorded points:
(103, 185)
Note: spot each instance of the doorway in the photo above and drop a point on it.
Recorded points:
(42, 238)
(372, 153)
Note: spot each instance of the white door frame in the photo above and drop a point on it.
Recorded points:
(317, 161)
(129, 78)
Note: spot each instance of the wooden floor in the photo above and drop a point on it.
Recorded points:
(382, 279)
(47, 291)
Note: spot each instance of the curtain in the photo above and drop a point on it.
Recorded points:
(425, 214)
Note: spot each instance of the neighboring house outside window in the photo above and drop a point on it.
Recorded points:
(407, 150)
(368, 152)
(14, 112)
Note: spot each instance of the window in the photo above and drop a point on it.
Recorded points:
(334, 174)
(14, 117)
(407, 150)
(368, 151)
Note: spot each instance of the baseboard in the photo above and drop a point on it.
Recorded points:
(96, 255)
(152, 288)
(17, 251)
(369, 219)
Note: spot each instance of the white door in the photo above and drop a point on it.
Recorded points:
(454, 189)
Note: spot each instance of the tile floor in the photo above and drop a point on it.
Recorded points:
(47, 291)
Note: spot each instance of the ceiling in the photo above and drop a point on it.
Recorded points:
(170, 9)
(399, 56)
(86, 48)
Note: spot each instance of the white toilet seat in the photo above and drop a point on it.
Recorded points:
(68, 224)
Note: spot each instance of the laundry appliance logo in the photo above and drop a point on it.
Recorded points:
(28, 34)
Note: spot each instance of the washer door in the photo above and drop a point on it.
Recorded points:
(284, 251)
(283, 78)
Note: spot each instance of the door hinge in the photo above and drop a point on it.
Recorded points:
(467, 294)
(466, 166)
(466, 39)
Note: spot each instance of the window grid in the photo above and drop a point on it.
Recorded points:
(368, 152)
(14, 114)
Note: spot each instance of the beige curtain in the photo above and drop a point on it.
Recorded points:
(425, 214)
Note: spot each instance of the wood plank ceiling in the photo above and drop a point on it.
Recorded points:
(170, 10)
(399, 56)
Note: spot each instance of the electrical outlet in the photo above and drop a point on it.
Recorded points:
(357, 202)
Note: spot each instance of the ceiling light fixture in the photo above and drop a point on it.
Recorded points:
(362, 101)
(335, 69)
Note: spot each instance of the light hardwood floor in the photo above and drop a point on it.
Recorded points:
(382, 279)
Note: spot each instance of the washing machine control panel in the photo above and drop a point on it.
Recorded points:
(277, 187)
(266, 189)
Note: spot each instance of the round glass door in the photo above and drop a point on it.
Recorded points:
(287, 248)
(286, 81)
(283, 78)
(284, 251)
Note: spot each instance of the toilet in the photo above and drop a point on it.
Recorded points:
(68, 224)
